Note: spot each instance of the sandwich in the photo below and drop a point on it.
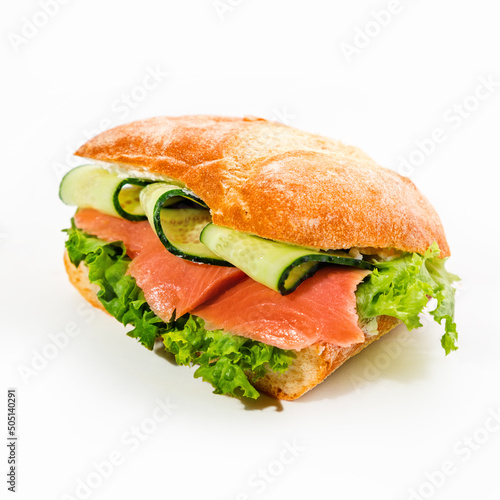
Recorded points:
(265, 255)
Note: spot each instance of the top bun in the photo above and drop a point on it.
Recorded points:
(278, 182)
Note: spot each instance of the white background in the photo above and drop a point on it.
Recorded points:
(388, 422)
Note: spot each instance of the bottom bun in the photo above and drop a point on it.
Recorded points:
(311, 366)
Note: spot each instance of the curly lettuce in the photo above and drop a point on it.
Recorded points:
(228, 362)
(402, 287)
(107, 265)
(225, 360)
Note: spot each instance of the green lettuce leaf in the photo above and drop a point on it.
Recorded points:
(226, 361)
(401, 288)
(107, 264)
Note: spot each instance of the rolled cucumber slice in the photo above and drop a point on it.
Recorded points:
(279, 266)
(91, 186)
(126, 199)
(179, 228)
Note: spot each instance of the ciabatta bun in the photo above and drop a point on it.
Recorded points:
(278, 182)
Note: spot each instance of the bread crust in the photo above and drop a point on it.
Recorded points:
(278, 182)
(315, 363)
(311, 366)
(79, 278)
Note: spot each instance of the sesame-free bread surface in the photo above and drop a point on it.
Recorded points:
(278, 182)
(311, 366)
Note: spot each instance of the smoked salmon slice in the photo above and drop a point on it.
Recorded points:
(323, 308)
(169, 283)
(135, 235)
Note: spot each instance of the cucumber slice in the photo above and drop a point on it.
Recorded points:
(91, 186)
(179, 228)
(279, 266)
(126, 199)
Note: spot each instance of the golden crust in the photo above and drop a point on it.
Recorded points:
(312, 365)
(278, 182)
